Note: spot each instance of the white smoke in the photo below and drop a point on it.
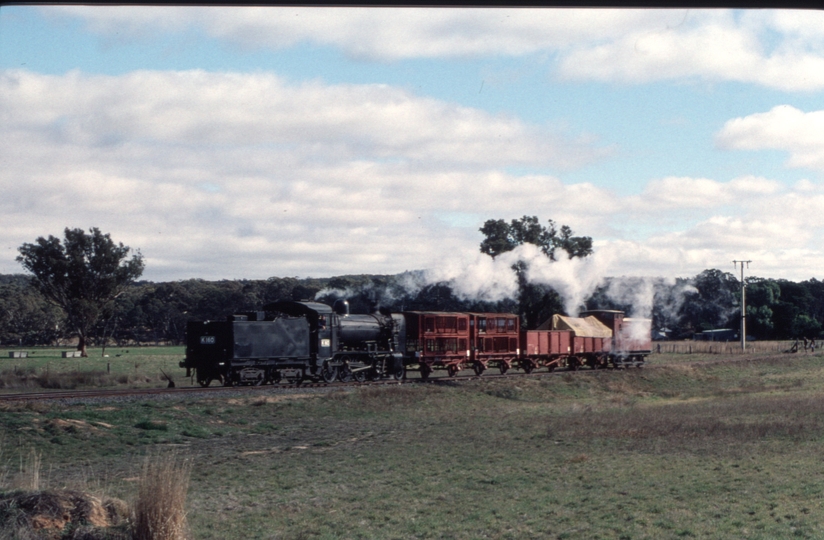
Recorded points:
(378, 294)
(643, 294)
(477, 276)
(637, 292)
(483, 278)
(480, 277)
(574, 279)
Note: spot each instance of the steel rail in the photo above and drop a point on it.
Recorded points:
(182, 390)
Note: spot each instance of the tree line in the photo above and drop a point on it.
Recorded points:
(85, 287)
(147, 312)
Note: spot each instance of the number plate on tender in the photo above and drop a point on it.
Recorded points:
(207, 340)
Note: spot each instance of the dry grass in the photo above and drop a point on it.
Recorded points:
(160, 508)
(29, 377)
(28, 477)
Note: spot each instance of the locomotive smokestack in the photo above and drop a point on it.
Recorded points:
(341, 307)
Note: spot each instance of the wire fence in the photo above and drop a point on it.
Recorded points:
(722, 347)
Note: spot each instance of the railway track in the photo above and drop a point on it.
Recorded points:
(216, 390)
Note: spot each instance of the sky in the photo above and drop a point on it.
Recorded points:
(256, 142)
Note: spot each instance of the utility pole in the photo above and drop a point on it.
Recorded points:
(743, 304)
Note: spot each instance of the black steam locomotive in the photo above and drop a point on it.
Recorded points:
(292, 341)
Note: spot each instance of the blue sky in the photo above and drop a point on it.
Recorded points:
(248, 143)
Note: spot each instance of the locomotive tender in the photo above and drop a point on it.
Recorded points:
(293, 341)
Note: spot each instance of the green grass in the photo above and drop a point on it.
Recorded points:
(44, 368)
(720, 447)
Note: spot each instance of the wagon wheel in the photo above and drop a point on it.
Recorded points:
(328, 373)
(452, 370)
(528, 367)
(205, 382)
(503, 368)
(479, 368)
(425, 371)
(573, 364)
(400, 374)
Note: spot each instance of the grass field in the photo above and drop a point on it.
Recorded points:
(691, 446)
(44, 368)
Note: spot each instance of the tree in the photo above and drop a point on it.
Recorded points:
(536, 303)
(82, 276)
(502, 237)
(25, 317)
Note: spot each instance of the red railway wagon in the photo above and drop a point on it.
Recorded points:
(545, 348)
(631, 337)
(494, 341)
(437, 340)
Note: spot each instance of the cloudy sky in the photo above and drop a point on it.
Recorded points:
(256, 142)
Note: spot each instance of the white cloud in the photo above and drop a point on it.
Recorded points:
(210, 180)
(222, 174)
(309, 119)
(714, 45)
(773, 48)
(782, 128)
(376, 33)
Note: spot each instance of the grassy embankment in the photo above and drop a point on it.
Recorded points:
(707, 446)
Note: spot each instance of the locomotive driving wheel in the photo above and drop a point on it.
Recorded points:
(328, 372)
(344, 373)
(360, 376)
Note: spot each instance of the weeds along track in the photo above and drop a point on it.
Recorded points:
(666, 360)
(696, 360)
(314, 387)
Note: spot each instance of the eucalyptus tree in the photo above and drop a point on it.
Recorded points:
(83, 275)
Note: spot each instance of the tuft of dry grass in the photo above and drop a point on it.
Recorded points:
(160, 508)
(30, 471)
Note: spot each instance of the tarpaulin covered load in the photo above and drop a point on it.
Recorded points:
(583, 327)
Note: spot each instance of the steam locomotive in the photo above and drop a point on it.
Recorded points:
(295, 341)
